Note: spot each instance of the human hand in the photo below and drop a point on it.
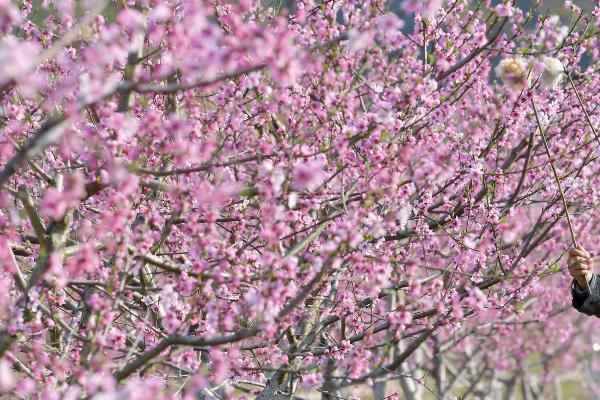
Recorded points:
(581, 266)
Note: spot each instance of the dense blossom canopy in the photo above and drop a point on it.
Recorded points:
(259, 199)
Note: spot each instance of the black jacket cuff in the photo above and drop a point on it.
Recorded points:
(579, 294)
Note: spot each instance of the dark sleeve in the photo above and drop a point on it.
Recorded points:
(584, 302)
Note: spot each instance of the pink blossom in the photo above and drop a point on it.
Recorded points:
(16, 57)
(504, 10)
(9, 16)
(311, 380)
(476, 299)
(224, 195)
(400, 318)
(130, 19)
(308, 176)
(357, 40)
(56, 202)
(7, 380)
(425, 7)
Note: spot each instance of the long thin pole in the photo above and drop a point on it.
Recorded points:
(587, 116)
(557, 179)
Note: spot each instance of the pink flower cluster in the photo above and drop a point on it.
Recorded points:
(250, 199)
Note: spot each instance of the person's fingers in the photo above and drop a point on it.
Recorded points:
(575, 274)
(578, 278)
(579, 249)
(579, 267)
(581, 264)
(579, 274)
(577, 260)
(580, 270)
(578, 252)
(574, 266)
(586, 253)
(572, 260)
